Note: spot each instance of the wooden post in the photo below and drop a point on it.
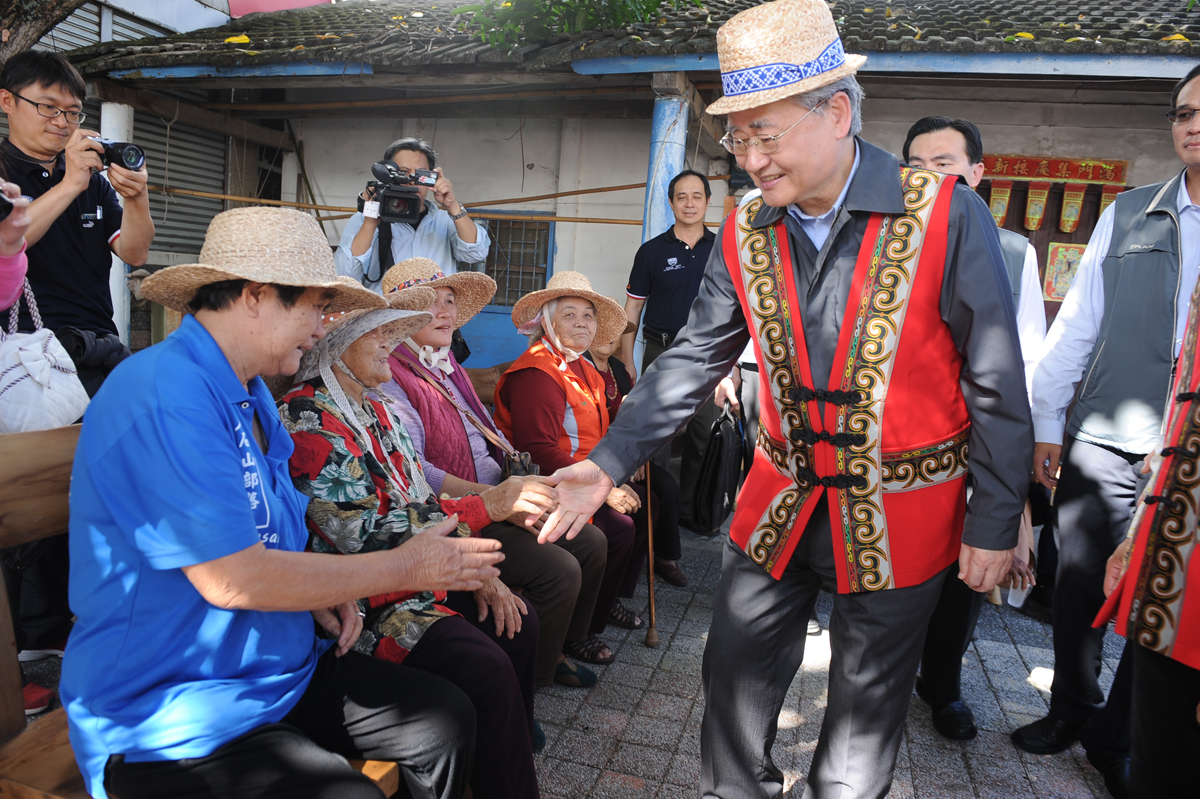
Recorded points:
(651, 631)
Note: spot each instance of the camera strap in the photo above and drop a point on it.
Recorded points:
(384, 251)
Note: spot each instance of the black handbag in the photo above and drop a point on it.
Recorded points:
(720, 472)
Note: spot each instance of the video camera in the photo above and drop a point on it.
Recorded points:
(396, 191)
(122, 153)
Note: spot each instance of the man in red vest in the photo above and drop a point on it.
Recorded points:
(884, 331)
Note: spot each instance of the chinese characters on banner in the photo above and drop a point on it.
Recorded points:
(1035, 206)
(1040, 172)
(1001, 191)
(1072, 205)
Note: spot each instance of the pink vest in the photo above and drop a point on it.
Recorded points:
(446, 443)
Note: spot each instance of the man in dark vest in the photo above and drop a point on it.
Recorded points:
(1117, 335)
(954, 146)
(886, 346)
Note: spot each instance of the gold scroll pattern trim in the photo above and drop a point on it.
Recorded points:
(921, 468)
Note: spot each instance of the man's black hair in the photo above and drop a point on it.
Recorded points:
(220, 295)
(412, 145)
(39, 67)
(1192, 73)
(963, 126)
(684, 174)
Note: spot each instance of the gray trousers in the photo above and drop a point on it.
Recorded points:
(694, 443)
(755, 647)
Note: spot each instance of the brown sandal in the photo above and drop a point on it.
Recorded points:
(624, 617)
(592, 650)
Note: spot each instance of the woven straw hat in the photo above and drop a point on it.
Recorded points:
(777, 50)
(611, 320)
(266, 245)
(472, 290)
(344, 329)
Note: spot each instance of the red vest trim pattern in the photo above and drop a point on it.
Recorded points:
(1157, 603)
(890, 450)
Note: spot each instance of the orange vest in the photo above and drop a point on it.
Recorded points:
(1157, 603)
(586, 417)
(890, 451)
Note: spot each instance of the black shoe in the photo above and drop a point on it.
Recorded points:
(1047, 736)
(1039, 605)
(954, 720)
(1115, 771)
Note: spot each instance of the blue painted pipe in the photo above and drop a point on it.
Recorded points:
(668, 148)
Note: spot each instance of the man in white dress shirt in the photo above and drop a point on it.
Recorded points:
(955, 147)
(1119, 331)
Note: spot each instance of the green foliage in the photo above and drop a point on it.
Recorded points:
(505, 24)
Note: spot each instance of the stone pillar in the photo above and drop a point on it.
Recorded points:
(668, 150)
(116, 122)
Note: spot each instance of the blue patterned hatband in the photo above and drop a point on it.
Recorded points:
(773, 76)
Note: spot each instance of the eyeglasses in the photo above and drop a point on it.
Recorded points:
(1181, 116)
(764, 144)
(52, 111)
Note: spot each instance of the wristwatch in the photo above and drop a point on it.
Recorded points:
(460, 214)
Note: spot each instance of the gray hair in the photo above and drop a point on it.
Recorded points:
(849, 86)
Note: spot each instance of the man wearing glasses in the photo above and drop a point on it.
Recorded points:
(1117, 336)
(884, 330)
(76, 225)
(77, 221)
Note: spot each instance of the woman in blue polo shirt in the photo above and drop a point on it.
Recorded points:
(194, 667)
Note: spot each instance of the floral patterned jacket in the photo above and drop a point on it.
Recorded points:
(359, 505)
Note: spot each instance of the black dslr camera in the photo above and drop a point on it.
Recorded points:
(396, 191)
(122, 153)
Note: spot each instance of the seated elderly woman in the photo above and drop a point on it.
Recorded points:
(194, 667)
(551, 403)
(369, 494)
(461, 451)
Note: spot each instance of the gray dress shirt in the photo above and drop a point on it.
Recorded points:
(976, 304)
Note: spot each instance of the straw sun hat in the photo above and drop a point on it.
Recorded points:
(611, 320)
(777, 50)
(472, 290)
(265, 245)
(343, 330)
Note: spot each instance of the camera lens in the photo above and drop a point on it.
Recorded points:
(133, 157)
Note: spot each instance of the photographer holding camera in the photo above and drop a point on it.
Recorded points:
(418, 228)
(77, 222)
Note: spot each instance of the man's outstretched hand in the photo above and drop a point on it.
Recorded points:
(582, 489)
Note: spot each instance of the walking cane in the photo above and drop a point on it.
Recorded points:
(651, 632)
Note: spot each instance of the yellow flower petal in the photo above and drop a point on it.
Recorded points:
(239, 39)
(1176, 37)
(1024, 35)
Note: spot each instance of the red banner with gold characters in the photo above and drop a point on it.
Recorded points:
(1001, 191)
(1071, 207)
(1107, 195)
(1035, 206)
(1059, 170)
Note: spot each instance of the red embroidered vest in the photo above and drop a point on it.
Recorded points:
(890, 451)
(1157, 603)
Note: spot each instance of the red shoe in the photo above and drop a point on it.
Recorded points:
(36, 698)
(55, 650)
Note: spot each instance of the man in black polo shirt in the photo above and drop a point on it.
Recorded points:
(77, 220)
(76, 224)
(665, 280)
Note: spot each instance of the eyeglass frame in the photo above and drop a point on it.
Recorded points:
(59, 112)
(727, 141)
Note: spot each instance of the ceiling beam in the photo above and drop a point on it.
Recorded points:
(633, 108)
(187, 114)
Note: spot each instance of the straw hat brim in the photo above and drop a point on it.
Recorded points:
(743, 102)
(175, 286)
(472, 291)
(611, 320)
(415, 298)
(396, 324)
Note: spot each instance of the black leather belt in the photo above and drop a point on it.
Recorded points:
(659, 337)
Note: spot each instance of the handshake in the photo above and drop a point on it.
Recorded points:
(558, 504)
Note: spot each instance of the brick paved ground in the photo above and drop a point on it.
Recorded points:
(636, 734)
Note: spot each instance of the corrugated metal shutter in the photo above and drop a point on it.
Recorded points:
(126, 27)
(80, 29)
(188, 159)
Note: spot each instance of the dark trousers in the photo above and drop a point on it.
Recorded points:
(948, 636)
(695, 441)
(1166, 732)
(1097, 490)
(756, 645)
(355, 707)
(748, 397)
(666, 513)
(627, 549)
(36, 576)
(560, 580)
(496, 674)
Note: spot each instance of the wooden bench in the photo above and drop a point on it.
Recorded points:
(36, 760)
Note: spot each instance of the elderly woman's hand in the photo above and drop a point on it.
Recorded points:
(624, 499)
(433, 562)
(526, 496)
(507, 608)
(345, 621)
